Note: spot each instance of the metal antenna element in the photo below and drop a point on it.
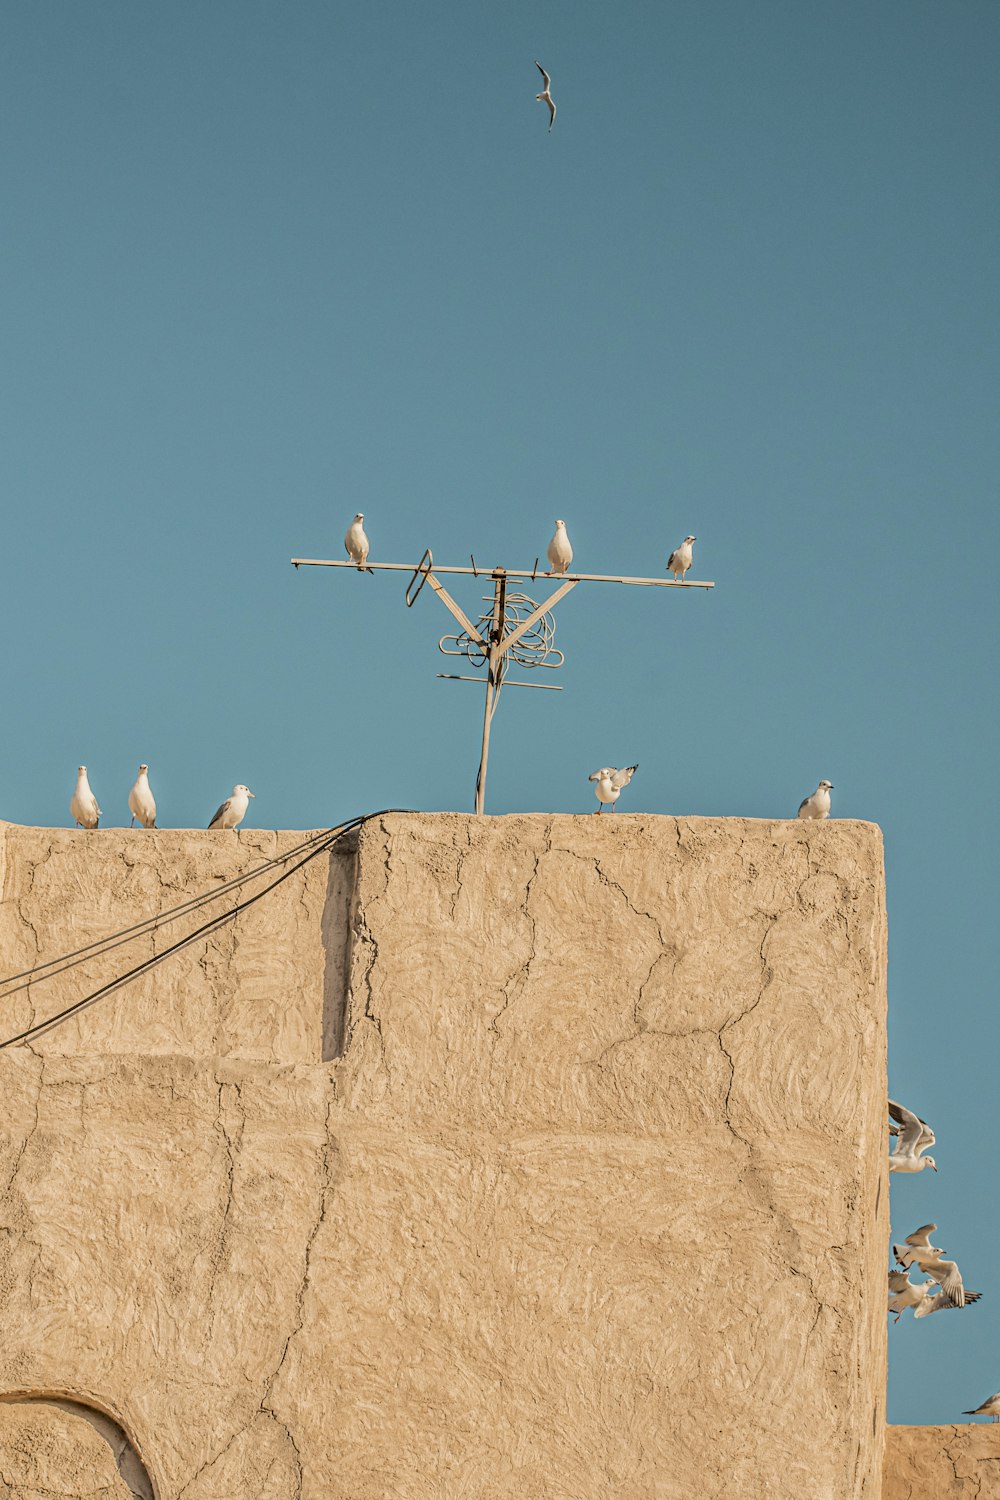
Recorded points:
(514, 629)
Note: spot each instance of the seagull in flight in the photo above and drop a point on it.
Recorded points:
(680, 559)
(914, 1137)
(609, 785)
(546, 94)
(916, 1249)
(234, 809)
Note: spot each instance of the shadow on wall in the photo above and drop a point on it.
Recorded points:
(336, 937)
(126, 1457)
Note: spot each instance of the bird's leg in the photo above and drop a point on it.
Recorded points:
(132, 824)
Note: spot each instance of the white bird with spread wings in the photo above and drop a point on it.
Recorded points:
(546, 94)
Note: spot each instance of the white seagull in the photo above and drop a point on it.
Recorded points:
(356, 543)
(942, 1302)
(140, 800)
(234, 809)
(916, 1249)
(83, 803)
(915, 1136)
(989, 1408)
(680, 559)
(818, 804)
(609, 785)
(546, 93)
(949, 1279)
(560, 553)
(904, 1293)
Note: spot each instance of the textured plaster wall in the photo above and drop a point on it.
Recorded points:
(590, 1205)
(943, 1463)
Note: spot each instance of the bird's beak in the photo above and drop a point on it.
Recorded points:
(251, 794)
(934, 1166)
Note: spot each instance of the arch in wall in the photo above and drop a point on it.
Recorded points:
(128, 1460)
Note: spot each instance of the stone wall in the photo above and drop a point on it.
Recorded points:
(534, 1157)
(943, 1463)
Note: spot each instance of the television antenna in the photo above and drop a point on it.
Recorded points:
(514, 630)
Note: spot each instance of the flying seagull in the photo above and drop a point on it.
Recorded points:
(916, 1249)
(83, 804)
(609, 784)
(356, 543)
(915, 1136)
(989, 1408)
(560, 553)
(234, 809)
(904, 1293)
(680, 559)
(818, 804)
(942, 1302)
(140, 800)
(949, 1278)
(546, 94)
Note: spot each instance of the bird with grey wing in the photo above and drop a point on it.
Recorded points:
(546, 94)
(609, 782)
(817, 804)
(681, 558)
(234, 809)
(989, 1408)
(913, 1137)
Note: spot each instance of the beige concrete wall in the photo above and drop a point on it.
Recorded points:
(49, 1454)
(592, 1205)
(943, 1463)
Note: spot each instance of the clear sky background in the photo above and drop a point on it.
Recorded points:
(267, 264)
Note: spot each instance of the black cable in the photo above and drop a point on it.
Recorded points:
(330, 838)
(113, 940)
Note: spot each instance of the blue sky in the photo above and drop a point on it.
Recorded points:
(265, 265)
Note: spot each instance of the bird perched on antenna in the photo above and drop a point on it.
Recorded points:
(356, 543)
(609, 785)
(140, 800)
(83, 804)
(680, 559)
(560, 553)
(234, 809)
(817, 804)
(546, 94)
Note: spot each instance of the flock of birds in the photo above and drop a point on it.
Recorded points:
(609, 780)
(86, 812)
(943, 1286)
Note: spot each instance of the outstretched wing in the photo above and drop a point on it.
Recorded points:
(949, 1279)
(920, 1238)
(898, 1281)
(622, 778)
(545, 75)
(915, 1135)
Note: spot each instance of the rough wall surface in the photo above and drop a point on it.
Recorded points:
(48, 1454)
(943, 1463)
(591, 1204)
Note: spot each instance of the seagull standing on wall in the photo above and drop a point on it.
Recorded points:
(915, 1136)
(818, 804)
(546, 95)
(680, 559)
(140, 800)
(83, 804)
(560, 553)
(234, 809)
(609, 785)
(356, 543)
(989, 1408)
